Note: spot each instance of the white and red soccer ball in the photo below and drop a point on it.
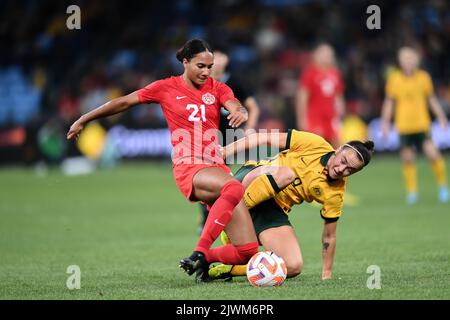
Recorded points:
(266, 269)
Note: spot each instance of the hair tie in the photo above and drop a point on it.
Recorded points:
(357, 151)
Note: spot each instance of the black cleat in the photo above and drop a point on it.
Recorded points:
(195, 263)
(201, 275)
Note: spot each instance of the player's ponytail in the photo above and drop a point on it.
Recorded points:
(191, 48)
(363, 149)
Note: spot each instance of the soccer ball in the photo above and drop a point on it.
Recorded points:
(266, 269)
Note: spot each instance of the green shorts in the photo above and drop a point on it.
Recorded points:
(414, 139)
(243, 171)
(267, 214)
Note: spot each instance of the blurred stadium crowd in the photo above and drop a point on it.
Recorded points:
(49, 74)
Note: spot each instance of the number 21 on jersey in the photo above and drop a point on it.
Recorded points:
(194, 117)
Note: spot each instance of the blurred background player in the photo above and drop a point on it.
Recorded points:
(240, 89)
(320, 103)
(409, 90)
(243, 93)
(308, 169)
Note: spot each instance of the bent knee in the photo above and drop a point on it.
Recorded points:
(294, 268)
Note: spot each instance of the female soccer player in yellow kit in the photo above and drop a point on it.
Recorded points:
(308, 169)
(410, 90)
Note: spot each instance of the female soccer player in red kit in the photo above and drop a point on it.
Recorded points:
(191, 104)
(320, 102)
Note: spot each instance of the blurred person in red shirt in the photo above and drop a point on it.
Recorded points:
(320, 103)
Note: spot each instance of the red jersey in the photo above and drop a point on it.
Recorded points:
(323, 86)
(192, 116)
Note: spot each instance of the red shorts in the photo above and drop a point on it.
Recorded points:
(184, 175)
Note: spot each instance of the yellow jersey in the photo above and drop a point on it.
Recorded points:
(307, 155)
(411, 100)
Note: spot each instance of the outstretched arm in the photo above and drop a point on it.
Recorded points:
(255, 139)
(328, 248)
(109, 108)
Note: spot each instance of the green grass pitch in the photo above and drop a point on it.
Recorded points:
(127, 228)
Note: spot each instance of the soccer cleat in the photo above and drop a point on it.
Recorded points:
(192, 263)
(201, 275)
(411, 198)
(220, 271)
(197, 264)
(443, 194)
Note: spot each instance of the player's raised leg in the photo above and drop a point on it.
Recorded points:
(241, 234)
(223, 193)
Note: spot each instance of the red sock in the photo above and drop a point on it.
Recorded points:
(220, 214)
(230, 254)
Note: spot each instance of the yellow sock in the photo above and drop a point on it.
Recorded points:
(410, 175)
(439, 171)
(262, 188)
(239, 270)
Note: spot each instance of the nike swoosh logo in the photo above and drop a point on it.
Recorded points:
(178, 97)
(221, 224)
